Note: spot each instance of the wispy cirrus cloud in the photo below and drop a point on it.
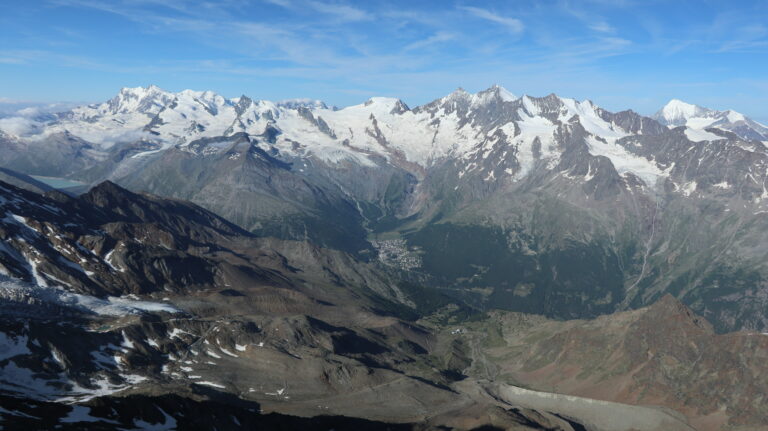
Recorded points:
(317, 48)
(281, 3)
(295, 48)
(598, 48)
(592, 20)
(37, 56)
(340, 11)
(439, 37)
(278, 43)
(602, 27)
(514, 25)
(12, 60)
(746, 38)
(743, 46)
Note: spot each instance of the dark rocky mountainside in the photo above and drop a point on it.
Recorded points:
(281, 334)
(112, 241)
(254, 339)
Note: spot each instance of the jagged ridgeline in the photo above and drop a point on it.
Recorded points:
(545, 205)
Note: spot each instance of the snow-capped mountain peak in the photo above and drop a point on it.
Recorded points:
(140, 92)
(389, 101)
(202, 95)
(208, 100)
(457, 94)
(734, 116)
(137, 99)
(697, 119)
(677, 113)
(494, 93)
(384, 105)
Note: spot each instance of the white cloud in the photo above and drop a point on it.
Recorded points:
(602, 27)
(10, 108)
(512, 24)
(747, 38)
(341, 11)
(11, 60)
(438, 37)
(109, 139)
(281, 3)
(18, 126)
(278, 43)
(29, 112)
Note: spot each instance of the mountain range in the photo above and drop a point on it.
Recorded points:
(565, 208)
(308, 260)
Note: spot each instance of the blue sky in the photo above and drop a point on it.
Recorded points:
(619, 53)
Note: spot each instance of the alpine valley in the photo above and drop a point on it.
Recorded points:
(484, 261)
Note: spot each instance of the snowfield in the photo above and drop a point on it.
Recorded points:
(112, 306)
